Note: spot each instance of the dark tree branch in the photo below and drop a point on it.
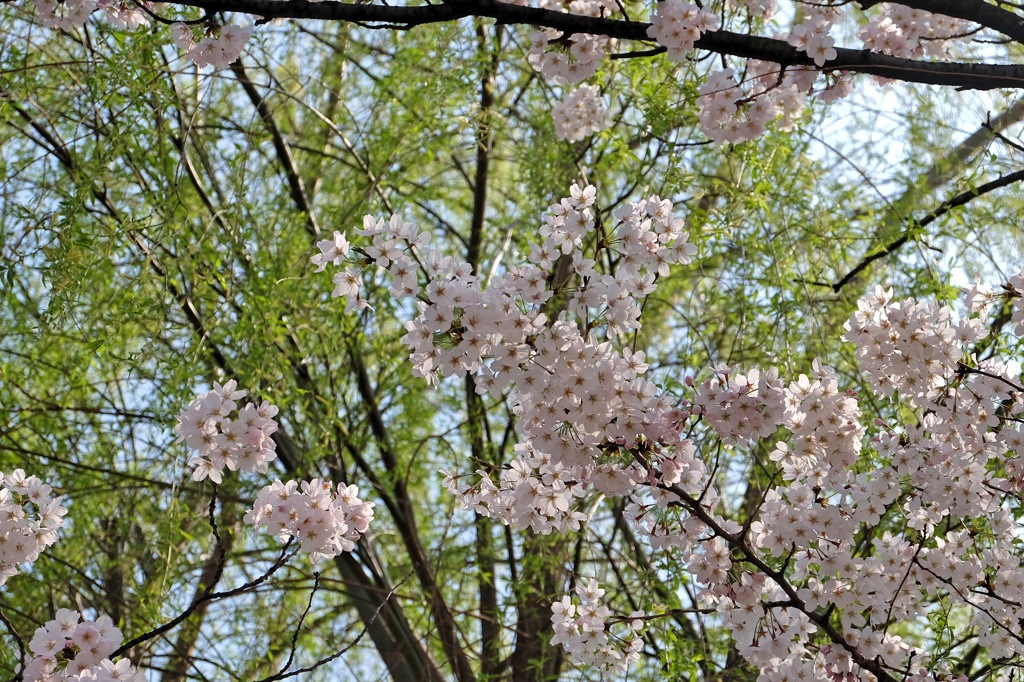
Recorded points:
(185, 644)
(747, 554)
(204, 596)
(476, 413)
(338, 654)
(405, 523)
(284, 151)
(891, 224)
(960, 75)
(959, 200)
(18, 676)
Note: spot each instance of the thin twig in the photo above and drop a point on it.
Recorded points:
(19, 675)
(298, 627)
(338, 654)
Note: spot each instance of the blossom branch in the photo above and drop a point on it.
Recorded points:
(284, 557)
(990, 16)
(963, 597)
(750, 556)
(960, 75)
(209, 595)
(966, 369)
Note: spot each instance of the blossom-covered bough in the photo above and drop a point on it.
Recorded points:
(872, 536)
(854, 536)
(920, 41)
(325, 521)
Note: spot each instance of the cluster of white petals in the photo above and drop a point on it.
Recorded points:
(29, 519)
(582, 629)
(729, 113)
(326, 521)
(576, 57)
(759, 8)
(243, 443)
(126, 15)
(946, 467)
(587, 8)
(580, 114)
(1016, 289)
(332, 251)
(741, 407)
(677, 25)
(216, 51)
(572, 390)
(904, 32)
(533, 492)
(811, 35)
(578, 63)
(909, 348)
(589, 419)
(69, 648)
(66, 15)
(824, 422)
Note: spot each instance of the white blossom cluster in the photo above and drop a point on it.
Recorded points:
(126, 15)
(811, 35)
(29, 520)
(216, 51)
(677, 25)
(980, 299)
(582, 57)
(66, 15)
(824, 423)
(589, 419)
(904, 32)
(910, 348)
(759, 8)
(572, 391)
(1016, 288)
(582, 629)
(662, 522)
(332, 251)
(326, 521)
(76, 650)
(211, 50)
(729, 114)
(533, 492)
(580, 114)
(588, 8)
(945, 459)
(578, 63)
(243, 443)
(741, 407)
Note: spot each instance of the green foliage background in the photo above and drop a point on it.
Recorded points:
(153, 242)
